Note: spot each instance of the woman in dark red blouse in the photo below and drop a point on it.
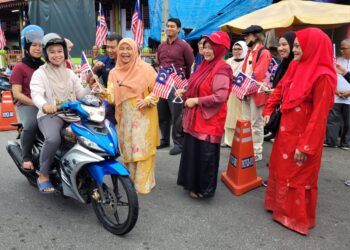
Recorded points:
(204, 118)
(31, 37)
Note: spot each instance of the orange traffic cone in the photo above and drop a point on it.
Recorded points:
(7, 111)
(240, 176)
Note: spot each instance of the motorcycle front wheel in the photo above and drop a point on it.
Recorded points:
(117, 208)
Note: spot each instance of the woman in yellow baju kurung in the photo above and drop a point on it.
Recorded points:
(136, 114)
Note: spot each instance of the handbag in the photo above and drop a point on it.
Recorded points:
(274, 122)
(275, 118)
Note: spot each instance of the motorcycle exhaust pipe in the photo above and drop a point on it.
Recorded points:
(15, 152)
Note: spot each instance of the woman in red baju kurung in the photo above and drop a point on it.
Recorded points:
(307, 92)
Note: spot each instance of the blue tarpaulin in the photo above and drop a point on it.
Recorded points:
(191, 13)
(155, 18)
(234, 9)
(204, 16)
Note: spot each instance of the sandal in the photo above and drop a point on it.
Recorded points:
(196, 195)
(45, 185)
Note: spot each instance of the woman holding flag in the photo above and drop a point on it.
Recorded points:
(136, 114)
(51, 85)
(234, 105)
(204, 118)
(307, 93)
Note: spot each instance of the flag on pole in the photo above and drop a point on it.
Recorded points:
(101, 28)
(243, 85)
(84, 67)
(25, 19)
(163, 84)
(137, 25)
(2, 38)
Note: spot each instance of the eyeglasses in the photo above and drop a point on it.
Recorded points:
(235, 49)
(344, 48)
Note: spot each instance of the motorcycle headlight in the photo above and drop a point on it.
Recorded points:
(96, 114)
(89, 144)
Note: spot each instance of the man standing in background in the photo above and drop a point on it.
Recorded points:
(174, 51)
(340, 113)
(104, 66)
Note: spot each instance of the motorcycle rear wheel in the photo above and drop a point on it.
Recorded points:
(121, 201)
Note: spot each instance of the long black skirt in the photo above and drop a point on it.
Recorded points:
(199, 166)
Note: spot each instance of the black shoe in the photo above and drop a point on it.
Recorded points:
(175, 151)
(163, 145)
(264, 183)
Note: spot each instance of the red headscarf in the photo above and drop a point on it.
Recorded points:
(316, 60)
(205, 68)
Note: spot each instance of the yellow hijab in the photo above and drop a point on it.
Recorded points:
(131, 79)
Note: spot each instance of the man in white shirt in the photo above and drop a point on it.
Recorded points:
(340, 113)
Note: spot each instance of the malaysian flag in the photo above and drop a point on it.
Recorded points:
(136, 24)
(163, 84)
(271, 71)
(243, 85)
(84, 67)
(101, 28)
(180, 81)
(2, 38)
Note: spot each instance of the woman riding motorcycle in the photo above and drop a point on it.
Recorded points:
(51, 85)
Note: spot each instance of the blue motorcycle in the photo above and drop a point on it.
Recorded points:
(85, 168)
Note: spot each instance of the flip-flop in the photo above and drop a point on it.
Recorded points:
(195, 195)
(45, 185)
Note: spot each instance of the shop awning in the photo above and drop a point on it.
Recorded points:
(12, 3)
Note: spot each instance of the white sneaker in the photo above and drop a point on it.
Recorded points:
(347, 182)
(258, 157)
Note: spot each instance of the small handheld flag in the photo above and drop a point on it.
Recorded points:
(84, 67)
(180, 81)
(163, 84)
(271, 71)
(243, 85)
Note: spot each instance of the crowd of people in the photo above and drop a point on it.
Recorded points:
(311, 91)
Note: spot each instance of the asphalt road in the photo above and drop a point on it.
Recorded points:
(168, 218)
